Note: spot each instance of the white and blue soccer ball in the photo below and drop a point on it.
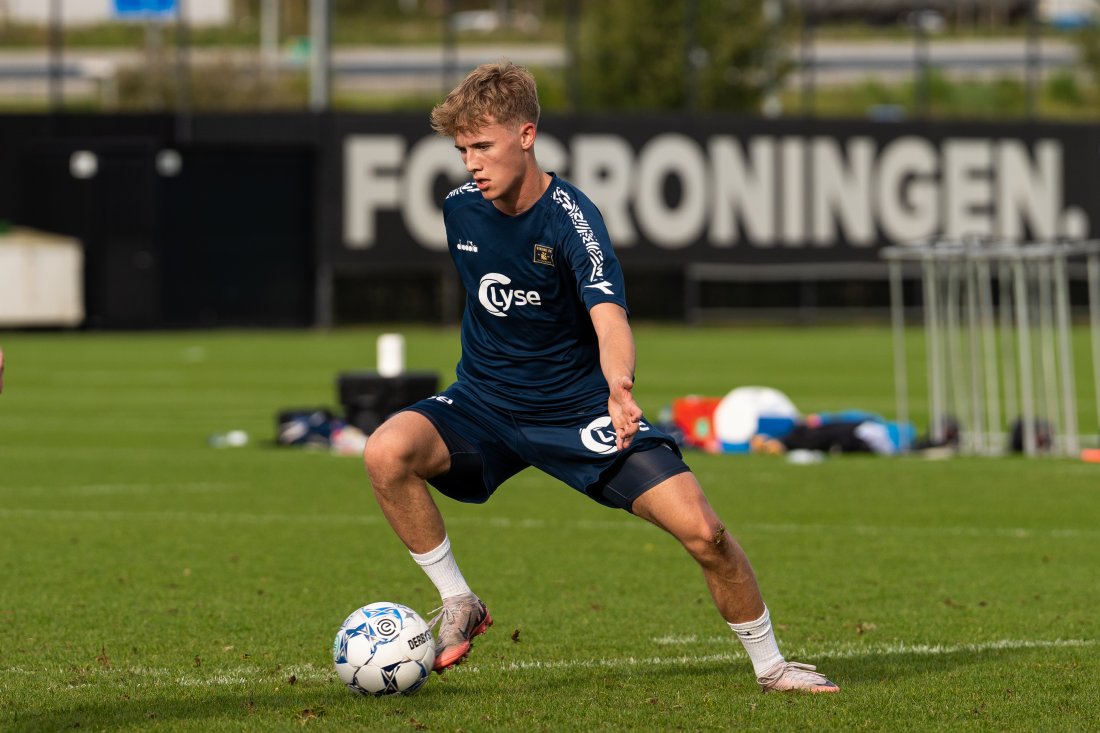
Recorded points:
(384, 649)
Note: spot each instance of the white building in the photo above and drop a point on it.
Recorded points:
(87, 12)
(1068, 13)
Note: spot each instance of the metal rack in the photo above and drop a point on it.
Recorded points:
(997, 328)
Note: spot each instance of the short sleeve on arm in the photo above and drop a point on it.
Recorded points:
(587, 246)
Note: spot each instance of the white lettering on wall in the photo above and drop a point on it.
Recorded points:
(603, 167)
(844, 201)
(968, 188)
(372, 164)
(758, 192)
(681, 223)
(742, 190)
(792, 209)
(426, 161)
(905, 190)
(1029, 192)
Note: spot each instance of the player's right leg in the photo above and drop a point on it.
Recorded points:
(400, 457)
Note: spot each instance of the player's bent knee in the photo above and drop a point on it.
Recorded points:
(406, 445)
(707, 541)
(377, 453)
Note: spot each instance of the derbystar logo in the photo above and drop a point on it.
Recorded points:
(499, 299)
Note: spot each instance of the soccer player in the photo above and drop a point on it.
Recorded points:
(545, 380)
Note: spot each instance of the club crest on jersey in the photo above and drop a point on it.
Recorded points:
(544, 255)
(499, 299)
(599, 436)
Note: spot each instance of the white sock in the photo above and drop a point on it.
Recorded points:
(759, 641)
(441, 568)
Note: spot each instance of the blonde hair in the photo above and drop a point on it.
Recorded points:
(501, 90)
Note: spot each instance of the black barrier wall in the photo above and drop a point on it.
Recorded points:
(213, 228)
(287, 219)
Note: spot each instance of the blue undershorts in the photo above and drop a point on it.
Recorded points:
(489, 445)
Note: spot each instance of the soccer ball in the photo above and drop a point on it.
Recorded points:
(384, 649)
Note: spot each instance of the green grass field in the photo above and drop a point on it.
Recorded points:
(151, 582)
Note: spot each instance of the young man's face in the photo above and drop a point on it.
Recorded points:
(494, 155)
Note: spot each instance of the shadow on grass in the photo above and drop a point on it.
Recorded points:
(876, 668)
(246, 709)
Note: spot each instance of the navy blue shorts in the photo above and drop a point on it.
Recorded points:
(489, 445)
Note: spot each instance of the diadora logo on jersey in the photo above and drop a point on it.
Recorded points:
(466, 246)
(599, 436)
(498, 299)
(584, 230)
(544, 255)
(604, 287)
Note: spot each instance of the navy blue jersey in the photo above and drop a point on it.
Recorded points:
(528, 343)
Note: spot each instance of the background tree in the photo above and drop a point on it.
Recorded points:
(1088, 45)
(691, 54)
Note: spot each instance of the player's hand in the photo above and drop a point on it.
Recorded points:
(625, 414)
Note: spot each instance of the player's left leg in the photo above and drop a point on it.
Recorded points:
(653, 482)
(679, 506)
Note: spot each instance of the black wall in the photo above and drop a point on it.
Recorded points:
(253, 229)
(227, 239)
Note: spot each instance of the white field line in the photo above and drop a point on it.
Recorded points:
(97, 515)
(138, 677)
(840, 652)
(849, 651)
(141, 676)
(114, 489)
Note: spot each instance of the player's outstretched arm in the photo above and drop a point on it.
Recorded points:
(617, 354)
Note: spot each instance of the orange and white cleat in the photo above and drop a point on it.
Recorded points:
(459, 620)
